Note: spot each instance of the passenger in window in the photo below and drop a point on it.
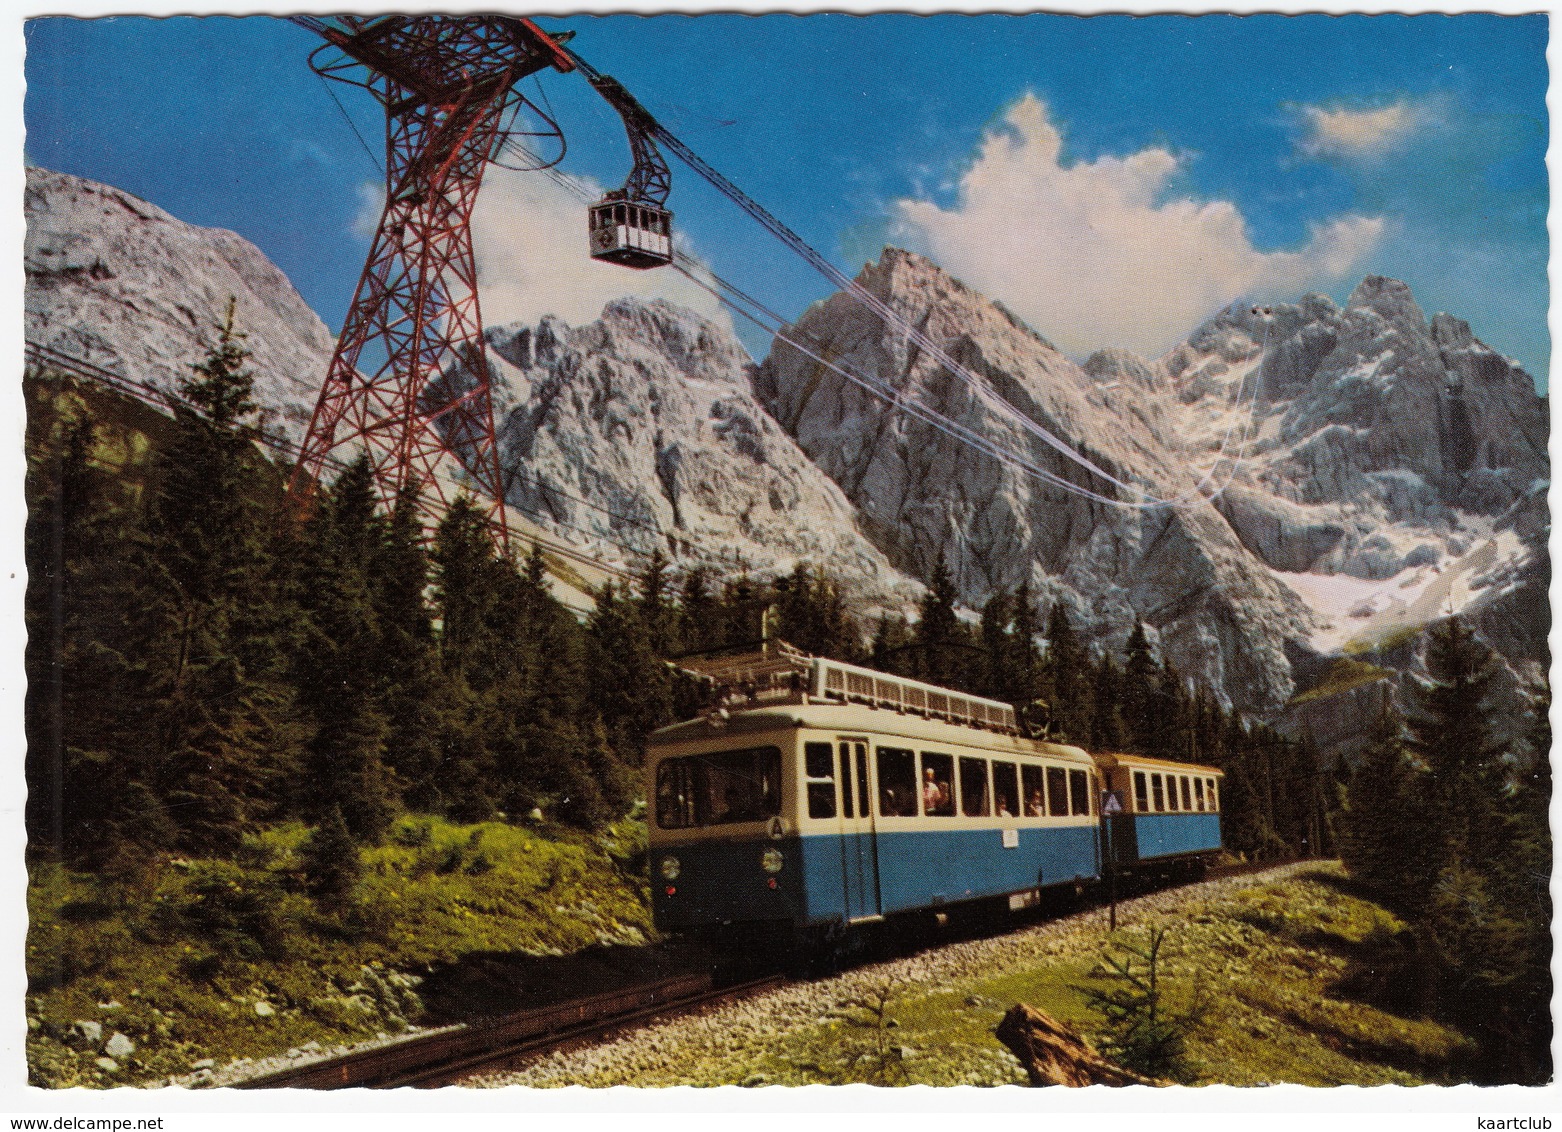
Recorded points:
(1035, 806)
(935, 793)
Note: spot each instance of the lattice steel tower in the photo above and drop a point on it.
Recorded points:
(409, 382)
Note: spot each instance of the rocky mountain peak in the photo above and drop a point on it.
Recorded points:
(639, 431)
(1391, 300)
(1116, 364)
(1336, 475)
(695, 345)
(118, 282)
(923, 493)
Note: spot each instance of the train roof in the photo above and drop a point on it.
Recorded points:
(851, 719)
(1115, 759)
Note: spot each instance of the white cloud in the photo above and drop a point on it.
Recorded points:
(1091, 255)
(529, 234)
(1359, 133)
(371, 204)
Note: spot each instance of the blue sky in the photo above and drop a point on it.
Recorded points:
(1111, 179)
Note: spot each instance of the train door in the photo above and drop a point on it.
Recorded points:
(859, 843)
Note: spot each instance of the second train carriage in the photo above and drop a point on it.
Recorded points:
(826, 796)
(1165, 812)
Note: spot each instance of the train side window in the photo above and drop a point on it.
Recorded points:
(1198, 794)
(1035, 793)
(1187, 797)
(897, 783)
(1157, 791)
(1171, 792)
(1141, 793)
(1214, 800)
(1057, 792)
(1006, 790)
(819, 768)
(1079, 791)
(938, 785)
(846, 780)
(973, 788)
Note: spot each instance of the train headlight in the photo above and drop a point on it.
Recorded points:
(770, 860)
(671, 868)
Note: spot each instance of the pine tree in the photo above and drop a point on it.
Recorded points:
(1484, 919)
(941, 655)
(468, 579)
(210, 614)
(342, 671)
(888, 651)
(1139, 695)
(1387, 843)
(1449, 734)
(469, 584)
(88, 771)
(1067, 675)
(698, 627)
(813, 616)
(1027, 679)
(998, 658)
(630, 686)
(656, 608)
(407, 650)
(1107, 731)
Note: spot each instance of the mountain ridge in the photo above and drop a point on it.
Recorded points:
(1387, 461)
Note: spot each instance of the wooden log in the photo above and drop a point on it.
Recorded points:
(1055, 1054)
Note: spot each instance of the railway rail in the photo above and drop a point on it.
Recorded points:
(448, 1055)
(442, 1057)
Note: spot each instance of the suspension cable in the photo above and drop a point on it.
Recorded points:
(779, 327)
(846, 284)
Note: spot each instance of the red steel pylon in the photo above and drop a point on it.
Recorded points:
(409, 382)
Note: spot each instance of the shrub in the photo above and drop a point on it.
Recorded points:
(331, 862)
(241, 913)
(1141, 1032)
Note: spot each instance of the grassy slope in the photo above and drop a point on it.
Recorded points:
(188, 950)
(1271, 961)
(1344, 675)
(1267, 963)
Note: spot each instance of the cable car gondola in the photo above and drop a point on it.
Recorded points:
(631, 226)
(631, 233)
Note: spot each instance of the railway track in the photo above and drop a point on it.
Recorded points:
(444, 1057)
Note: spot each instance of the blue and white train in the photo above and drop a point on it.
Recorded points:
(823, 796)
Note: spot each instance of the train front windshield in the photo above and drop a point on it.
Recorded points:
(719, 789)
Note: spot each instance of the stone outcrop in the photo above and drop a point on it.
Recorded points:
(1219, 613)
(1392, 431)
(118, 282)
(640, 431)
